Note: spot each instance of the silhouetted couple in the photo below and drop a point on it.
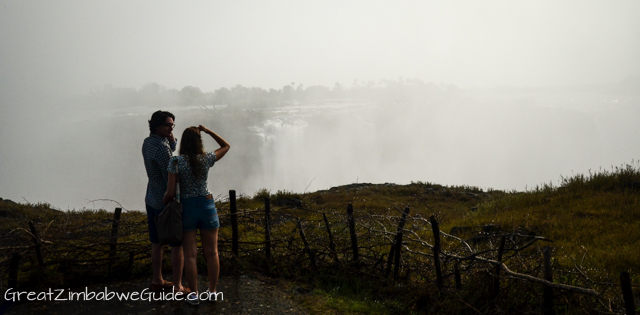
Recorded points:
(199, 210)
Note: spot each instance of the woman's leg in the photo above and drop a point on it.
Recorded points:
(210, 248)
(190, 249)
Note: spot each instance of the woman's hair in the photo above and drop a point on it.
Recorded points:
(191, 146)
(159, 118)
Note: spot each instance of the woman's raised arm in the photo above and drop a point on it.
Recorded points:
(224, 145)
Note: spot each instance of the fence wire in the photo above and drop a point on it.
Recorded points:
(304, 242)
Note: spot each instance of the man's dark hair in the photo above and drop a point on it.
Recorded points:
(158, 118)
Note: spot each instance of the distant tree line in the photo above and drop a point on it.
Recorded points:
(387, 91)
(239, 96)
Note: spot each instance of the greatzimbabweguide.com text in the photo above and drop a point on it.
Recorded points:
(106, 295)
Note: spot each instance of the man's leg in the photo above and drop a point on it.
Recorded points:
(177, 264)
(157, 250)
(156, 262)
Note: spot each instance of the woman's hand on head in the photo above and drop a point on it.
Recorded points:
(224, 145)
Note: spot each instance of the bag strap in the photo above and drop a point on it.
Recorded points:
(175, 162)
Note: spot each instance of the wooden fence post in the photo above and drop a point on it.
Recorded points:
(496, 284)
(267, 230)
(392, 252)
(436, 251)
(312, 257)
(457, 277)
(13, 270)
(332, 245)
(403, 219)
(234, 224)
(625, 281)
(130, 264)
(394, 246)
(548, 275)
(352, 232)
(36, 240)
(396, 267)
(114, 236)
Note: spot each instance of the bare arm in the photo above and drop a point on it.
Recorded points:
(224, 145)
(171, 189)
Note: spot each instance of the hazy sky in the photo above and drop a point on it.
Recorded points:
(60, 48)
(74, 46)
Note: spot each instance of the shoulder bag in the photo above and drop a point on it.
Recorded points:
(169, 221)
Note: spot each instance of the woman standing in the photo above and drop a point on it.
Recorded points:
(199, 211)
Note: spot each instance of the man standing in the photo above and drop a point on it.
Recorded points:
(157, 149)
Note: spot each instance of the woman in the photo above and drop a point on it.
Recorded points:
(199, 210)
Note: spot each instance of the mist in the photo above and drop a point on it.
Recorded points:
(395, 131)
(496, 95)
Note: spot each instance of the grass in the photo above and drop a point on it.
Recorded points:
(349, 295)
(322, 302)
(592, 219)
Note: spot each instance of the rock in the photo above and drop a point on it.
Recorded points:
(459, 230)
(478, 239)
(7, 201)
(288, 202)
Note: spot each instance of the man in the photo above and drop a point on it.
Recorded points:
(157, 150)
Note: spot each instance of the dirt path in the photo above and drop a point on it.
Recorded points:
(242, 295)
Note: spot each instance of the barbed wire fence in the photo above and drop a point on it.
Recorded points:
(294, 240)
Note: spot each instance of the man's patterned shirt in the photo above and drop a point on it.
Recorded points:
(156, 151)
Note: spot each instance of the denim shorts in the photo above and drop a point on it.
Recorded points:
(199, 213)
(153, 230)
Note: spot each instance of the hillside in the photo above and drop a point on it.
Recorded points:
(590, 222)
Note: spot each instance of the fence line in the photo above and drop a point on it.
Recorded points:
(365, 240)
